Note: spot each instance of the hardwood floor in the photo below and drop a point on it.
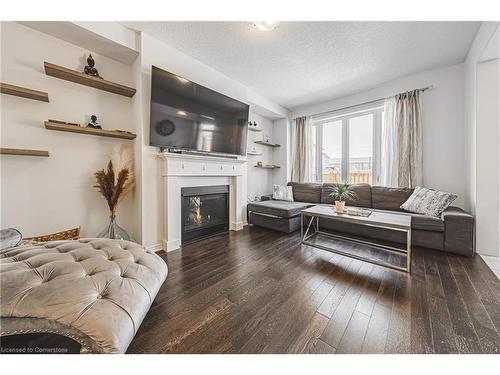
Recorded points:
(259, 291)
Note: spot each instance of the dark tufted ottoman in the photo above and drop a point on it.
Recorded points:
(94, 291)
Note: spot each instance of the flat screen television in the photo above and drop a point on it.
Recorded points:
(188, 116)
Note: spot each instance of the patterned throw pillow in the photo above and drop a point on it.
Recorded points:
(428, 201)
(282, 193)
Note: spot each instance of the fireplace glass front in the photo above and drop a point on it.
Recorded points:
(205, 212)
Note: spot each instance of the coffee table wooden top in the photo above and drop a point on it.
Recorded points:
(376, 218)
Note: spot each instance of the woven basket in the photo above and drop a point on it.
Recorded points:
(69, 234)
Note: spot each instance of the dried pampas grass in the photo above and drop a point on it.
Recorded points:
(115, 187)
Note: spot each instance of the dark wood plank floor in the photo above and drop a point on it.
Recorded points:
(259, 291)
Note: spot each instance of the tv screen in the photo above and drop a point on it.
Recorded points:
(188, 116)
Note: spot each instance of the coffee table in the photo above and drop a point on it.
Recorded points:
(389, 221)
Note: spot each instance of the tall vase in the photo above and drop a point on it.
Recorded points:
(114, 231)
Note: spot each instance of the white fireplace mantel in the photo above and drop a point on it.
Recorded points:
(184, 170)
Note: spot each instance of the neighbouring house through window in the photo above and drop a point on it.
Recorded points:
(347, 145)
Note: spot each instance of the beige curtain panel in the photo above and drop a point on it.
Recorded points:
(302, 150)
(401, 153)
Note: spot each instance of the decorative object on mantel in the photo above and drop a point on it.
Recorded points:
(90, 69)
(342, 192)
(76, 128)
(93, 123)
(114, 188)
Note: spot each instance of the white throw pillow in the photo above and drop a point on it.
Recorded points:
(282, 193)
(428, 201)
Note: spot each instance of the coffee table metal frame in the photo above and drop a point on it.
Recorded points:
(312, 229)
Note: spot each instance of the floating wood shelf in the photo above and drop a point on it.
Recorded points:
(267, 166)
(91, 131)
(254, 153)
(84, 79)
(23, 152)
(23, 92)
(270, 144)
(254, 129)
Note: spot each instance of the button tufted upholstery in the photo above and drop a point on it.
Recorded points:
(99, 289)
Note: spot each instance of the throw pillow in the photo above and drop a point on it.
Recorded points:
(282, 193)
(9, 237)
(428, 201)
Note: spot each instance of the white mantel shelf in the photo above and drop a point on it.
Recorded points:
(184, 170)
(199, 165)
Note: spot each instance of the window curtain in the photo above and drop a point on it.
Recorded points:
(302, 150)
(401, 153)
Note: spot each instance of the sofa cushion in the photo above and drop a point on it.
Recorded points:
(421, 222)
(362, 191)
(387, 198)
(306, 192)
(278, 208)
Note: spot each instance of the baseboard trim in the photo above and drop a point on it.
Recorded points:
(156, 247)
(171, 245)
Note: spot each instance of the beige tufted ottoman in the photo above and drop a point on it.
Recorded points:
(95, 291)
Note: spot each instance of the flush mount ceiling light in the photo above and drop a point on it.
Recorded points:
(181, 113)
(266, 25)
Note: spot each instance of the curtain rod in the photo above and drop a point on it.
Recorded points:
(427, 88)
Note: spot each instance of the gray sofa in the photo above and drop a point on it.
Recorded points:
(452, 232)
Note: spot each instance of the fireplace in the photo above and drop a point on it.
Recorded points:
(205, 212)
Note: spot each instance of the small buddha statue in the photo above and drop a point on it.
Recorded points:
(93, 123)
(90, 69)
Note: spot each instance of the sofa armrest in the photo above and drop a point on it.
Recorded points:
(268, 197)
(459, 231)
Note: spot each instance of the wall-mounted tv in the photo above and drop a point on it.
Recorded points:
(188, 116)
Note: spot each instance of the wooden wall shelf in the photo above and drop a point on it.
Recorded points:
(23, 152)
(269, 144)
(254, 153)
(23, 92)
(84, 79)
(91, 131)
(267, 166)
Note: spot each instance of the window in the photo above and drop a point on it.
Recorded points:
(347, 145)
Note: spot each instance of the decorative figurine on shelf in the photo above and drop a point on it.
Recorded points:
(90, 69)
(259, 164)
(266, 138)
(254, 124)
(93, 123)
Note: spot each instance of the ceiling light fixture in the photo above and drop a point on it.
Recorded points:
(266, 25)
(181, 113)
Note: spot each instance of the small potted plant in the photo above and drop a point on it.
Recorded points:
(342, 192)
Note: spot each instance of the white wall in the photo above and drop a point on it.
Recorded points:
(43, 195)
(487, 156)
(155, 52)
(483, 36)
(282, 157)
(442, 120)
(260, 181)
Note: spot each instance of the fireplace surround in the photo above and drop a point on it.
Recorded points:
(187, 171)
(204, 212)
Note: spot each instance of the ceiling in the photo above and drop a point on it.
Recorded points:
(302, 63)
